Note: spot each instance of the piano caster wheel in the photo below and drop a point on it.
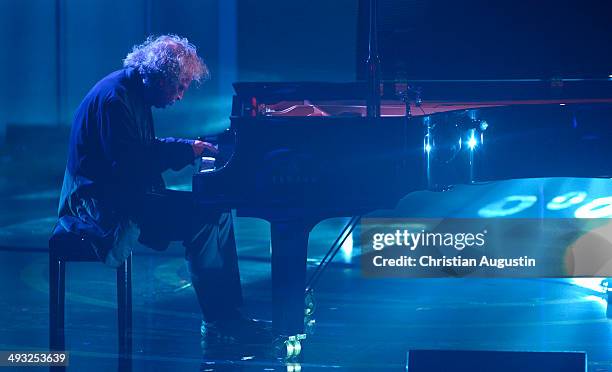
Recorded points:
(289, 347)
(309, 304)
(293, 367)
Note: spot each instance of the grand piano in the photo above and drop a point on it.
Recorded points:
(298, 153)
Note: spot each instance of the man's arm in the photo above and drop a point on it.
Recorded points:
(199, 148)
(133, 159)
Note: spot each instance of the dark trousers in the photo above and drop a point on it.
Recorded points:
(210, 246)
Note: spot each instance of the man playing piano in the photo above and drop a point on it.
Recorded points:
(113, 190)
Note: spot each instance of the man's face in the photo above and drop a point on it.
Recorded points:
(167, 93)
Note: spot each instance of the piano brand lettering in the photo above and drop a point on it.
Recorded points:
(412, 240)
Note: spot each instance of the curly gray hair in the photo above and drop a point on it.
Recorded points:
(168, 57)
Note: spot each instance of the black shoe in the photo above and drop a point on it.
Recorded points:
(236, 330)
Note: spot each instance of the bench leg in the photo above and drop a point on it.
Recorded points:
(124, 306)
(57, 293)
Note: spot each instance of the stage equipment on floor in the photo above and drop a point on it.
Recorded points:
(498, 361)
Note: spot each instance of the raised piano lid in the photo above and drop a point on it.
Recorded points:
(348, 99)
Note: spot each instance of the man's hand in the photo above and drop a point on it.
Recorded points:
(201, 148)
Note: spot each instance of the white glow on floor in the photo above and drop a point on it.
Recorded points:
(594, 284)
(347, 249)
(181, 187)
(597, 208)
(598, 300)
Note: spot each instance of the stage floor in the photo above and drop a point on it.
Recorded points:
(360, 324)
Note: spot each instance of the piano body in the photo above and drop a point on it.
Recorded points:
(302, 152)
(298, 153)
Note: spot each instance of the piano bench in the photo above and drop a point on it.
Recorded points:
(68, 247)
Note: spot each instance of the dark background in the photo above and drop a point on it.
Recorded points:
(501, 39)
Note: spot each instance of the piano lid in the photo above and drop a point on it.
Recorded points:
(480, 39)
(436, 90)
(348, 99)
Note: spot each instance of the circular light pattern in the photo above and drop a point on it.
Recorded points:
(507, 206)
(566, 200)
(597, 208)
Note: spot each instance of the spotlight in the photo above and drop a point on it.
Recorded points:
(472, 142)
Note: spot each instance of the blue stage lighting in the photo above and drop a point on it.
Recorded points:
(508, 206)
(597, 208)
(566, 200)
(347, 249)
(472, 142)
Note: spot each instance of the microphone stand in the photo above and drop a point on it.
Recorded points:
(373, 67)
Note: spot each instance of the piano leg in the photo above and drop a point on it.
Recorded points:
(289, 252)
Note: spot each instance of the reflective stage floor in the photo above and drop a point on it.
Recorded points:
(360, 324)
